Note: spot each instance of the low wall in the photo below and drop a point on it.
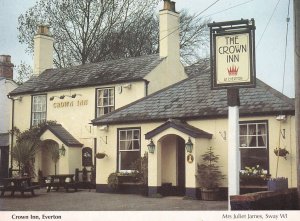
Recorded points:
(266, 200)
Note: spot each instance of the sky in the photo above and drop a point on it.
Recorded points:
(270, 33)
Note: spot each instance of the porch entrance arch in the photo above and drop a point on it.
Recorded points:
(172, 164)
(49, 161)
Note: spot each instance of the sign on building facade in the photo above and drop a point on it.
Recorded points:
(232, 54)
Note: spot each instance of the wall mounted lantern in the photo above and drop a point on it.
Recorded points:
(189, 146)
(62, 150)
(151, 146)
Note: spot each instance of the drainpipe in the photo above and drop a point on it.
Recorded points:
(12, 126)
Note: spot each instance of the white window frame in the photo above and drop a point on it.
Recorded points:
(256, 135)
(100, 107)
(39, 106)
(132, 143)
(256, 123)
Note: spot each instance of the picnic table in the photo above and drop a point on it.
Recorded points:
(61, 180)
(20, 184)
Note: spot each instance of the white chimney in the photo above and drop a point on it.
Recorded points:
(169, 31)
(43, 50)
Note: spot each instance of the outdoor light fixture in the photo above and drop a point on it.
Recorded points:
(74, 95)
(151, 146)
(62, 97)
(52, 98)
(189, 146)
(62, 150)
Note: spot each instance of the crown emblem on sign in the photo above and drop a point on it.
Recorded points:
(233, 70)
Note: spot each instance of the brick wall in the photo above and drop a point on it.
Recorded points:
(6, 67)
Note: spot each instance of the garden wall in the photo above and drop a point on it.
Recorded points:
(266, 200)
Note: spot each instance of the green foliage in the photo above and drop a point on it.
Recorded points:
(24, 153)
(209, 174)
(140, 167)
(24, 72)
(113, 181)
(27, 145)
(92, 31)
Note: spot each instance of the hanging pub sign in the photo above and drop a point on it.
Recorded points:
(232, 49)
(87, 160)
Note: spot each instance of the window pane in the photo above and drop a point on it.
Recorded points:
(262, 141)
(105, 100)
(252, 129)
(243, 141)
(127, 158)
(261, 129)
(39, 108)
(105, 93)
(129, 135)
(122, 145)
(243, 129)
(122, 135)
(252, 141)
(250, 157)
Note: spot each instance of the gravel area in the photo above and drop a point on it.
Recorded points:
(84, 200)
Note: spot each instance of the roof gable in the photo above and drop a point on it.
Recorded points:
(106, 72)
(61, 133)
(180, 126)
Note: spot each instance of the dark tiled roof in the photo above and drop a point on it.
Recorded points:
(4, 139)
(61, 133)
(181, 126)
(193, 98)
(106, 72)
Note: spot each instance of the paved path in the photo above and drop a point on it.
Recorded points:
(84, 200)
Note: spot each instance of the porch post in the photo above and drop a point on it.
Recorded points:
(190, 172)
(154, 170)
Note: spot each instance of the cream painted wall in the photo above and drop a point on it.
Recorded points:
(217, 127)
(168, 72)
(6, 86)
(75, 114)
(287, 168)
(43, 53)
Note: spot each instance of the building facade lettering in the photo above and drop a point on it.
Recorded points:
(65, 104)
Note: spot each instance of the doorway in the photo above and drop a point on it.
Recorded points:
(172, 165)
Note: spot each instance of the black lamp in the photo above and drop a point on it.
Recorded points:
(151, 146)
(189, 146)
(62, 150)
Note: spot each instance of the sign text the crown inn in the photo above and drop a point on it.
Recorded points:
(232, 58)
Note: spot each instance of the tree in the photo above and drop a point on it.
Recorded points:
(24, 154)
(27, 145)
(24, 72)
(97, 30)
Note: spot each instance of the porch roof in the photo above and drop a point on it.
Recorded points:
(61, 133)
(181, 126)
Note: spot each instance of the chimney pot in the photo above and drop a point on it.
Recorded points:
(169, 5)
(43, 30)
(173, 6)
(6, 67)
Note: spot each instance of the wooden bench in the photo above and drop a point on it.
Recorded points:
(85, 178)
(57, 181)
(18, 184)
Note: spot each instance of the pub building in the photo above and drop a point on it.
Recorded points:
(119, 107)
